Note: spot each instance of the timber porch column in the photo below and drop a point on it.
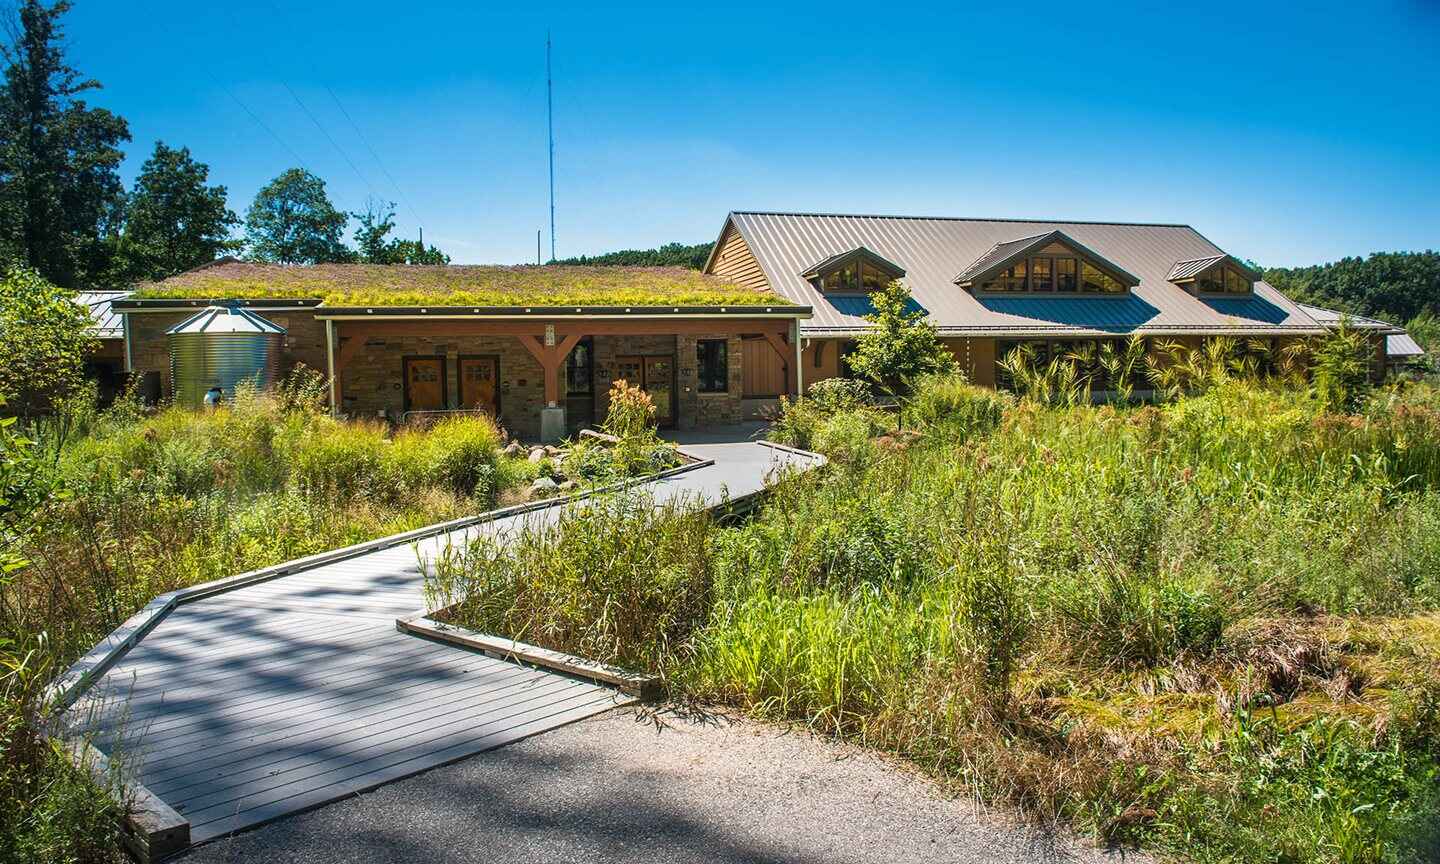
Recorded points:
(550, 351)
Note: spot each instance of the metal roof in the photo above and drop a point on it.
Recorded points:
(933, 250)
(858, 252)
(1001, 255)
(1402, 345)
(225, 319)
(105, 322)
(1331, 318)
(1184, 271)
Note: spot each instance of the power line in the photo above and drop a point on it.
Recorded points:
(376, 156)
(333, 142)
(261, 123)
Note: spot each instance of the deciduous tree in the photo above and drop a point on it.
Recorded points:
(173, 220)
(375, 246)
(60, 192)
(293, 222)
(901, 346)
(45, 339)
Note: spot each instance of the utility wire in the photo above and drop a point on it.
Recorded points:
(261, 123)
(376, 156)
(333, 142)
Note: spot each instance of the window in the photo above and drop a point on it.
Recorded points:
(1042, 274)
(872, 278)
(712, 366)
(580, 369)
(844, 278)
(1235, 283)
(1095, 281)
(1065, 274)
(1013, 279)
(1222, 280)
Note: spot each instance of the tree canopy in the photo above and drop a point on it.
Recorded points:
(1393, 286)
(293, 222)
(669, 255)
(375, 246)
(173, 220)
(45, 339)
(60, 190)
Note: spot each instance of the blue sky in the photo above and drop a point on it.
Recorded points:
(1286, 136)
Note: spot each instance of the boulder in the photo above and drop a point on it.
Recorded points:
(542, 487)
(514, 449)
(537, 454)
(568, 486)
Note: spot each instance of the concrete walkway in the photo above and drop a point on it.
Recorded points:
(619, 787)
(277, 697)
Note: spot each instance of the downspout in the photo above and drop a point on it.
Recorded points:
(129, 349)
(330, 363)
(799, 366)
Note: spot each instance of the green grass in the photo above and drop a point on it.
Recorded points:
(1210, 628)
(158, 502)
(467, 285)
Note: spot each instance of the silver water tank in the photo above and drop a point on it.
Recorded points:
(222, 346)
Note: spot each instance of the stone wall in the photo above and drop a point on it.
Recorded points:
(150, 349)
(692, 407)
(373, 381)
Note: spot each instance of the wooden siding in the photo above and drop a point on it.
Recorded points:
(734, 261)
(828, 352)
(976, 358)
(763, 370)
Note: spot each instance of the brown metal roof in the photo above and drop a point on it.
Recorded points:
(933, 250)
(1002, 255)
(1184, 271)
(1331, 318)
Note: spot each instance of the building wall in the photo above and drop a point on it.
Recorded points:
(150, 349)
(734, 261)
(693, 408)
(976, 358)
(373, 381)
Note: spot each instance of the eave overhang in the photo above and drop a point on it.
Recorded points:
(869, 256)
(1188, 271)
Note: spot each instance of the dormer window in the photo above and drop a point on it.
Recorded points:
(858, 270)
(1050, 263)
(1215, 275)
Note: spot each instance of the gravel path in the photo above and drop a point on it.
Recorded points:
(620, 787)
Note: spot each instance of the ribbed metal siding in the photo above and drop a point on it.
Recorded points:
(199, 361)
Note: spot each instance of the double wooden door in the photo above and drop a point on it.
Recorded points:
(655, 374)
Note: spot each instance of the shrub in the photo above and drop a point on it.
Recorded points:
(953, 402)
(1341, 371)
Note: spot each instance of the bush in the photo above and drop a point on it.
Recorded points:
(952, 402)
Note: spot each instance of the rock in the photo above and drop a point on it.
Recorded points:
(537, 454)
(568, 486)
(541, 487)
(514, 449)
(552, 450)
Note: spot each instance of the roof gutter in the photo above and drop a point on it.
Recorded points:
(354, 313)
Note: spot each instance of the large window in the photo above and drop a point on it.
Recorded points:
(712, 365)
(1047, 274)
(843, 278)
(1093, 280)
(1222, 280)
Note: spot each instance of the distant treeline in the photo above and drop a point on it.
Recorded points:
(1393, 286)
(669, 255)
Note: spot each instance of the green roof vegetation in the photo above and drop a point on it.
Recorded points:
(468, 285)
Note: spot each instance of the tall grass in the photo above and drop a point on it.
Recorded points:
(1209, 627)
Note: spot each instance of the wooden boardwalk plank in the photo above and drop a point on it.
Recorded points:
(275, 696)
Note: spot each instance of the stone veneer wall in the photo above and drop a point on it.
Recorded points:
(693, 408)
(372, 381)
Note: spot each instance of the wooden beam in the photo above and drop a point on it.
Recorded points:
(445, 327)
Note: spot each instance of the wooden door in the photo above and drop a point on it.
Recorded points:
(479, 384)
(656, 376)
(424, 383)
(763, 371)
(659, 374)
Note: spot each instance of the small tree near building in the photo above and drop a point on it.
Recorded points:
(45, 339)
(901, 347)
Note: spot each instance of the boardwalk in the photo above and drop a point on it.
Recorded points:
(270, 699)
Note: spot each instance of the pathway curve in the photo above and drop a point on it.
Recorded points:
(273, 698)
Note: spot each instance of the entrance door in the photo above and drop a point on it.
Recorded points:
(424, 383)
(656, 376)
(479, 384)
(660, 384)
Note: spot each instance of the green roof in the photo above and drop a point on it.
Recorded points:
(462, 285)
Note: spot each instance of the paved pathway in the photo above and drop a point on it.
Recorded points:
(278, 697)
(618, 788)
